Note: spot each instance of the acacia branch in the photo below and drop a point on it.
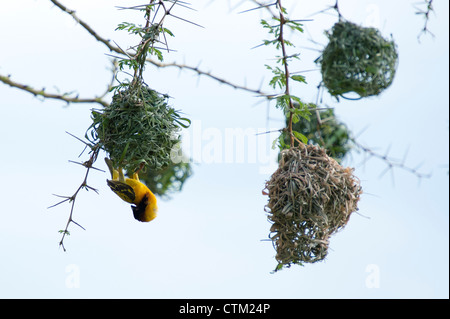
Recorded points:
(89, 165)
(286, 69)
(209, 75)
(63, 97)
(390, 162)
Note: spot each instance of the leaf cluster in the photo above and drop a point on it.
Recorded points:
(275, 30)
(281, 75)
(300, 113)
(149, 35)
(322, 128)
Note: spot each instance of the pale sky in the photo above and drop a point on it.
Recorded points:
(209, 241)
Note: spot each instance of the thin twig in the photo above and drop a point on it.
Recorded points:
(390, 162)
(426, 14)
(208, 75)
(89, 165)
(285, 58)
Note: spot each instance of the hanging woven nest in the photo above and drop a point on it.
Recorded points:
(138, 126)
(357, 59)
(311, 197)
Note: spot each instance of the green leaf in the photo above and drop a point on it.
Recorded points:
(183, 119)
(265, 24)
(300, 108)
(167, 31)
(296, 26)
(274, 143)
(288, 43)
(156, 52)
(301, 137)
(278, 268)
(282, 102)
(298, 78)
(296, 99)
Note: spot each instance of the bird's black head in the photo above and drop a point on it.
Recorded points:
(139, 209)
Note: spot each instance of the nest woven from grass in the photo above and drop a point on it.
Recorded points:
(311, 197)
(357, 59)
(138, 126)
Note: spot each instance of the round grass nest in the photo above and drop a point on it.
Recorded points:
(138, 126)
(311, 197)
(357, 59)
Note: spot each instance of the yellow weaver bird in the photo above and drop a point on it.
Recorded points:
(134, 192)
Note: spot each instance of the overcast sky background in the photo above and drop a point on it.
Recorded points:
(209, 240)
